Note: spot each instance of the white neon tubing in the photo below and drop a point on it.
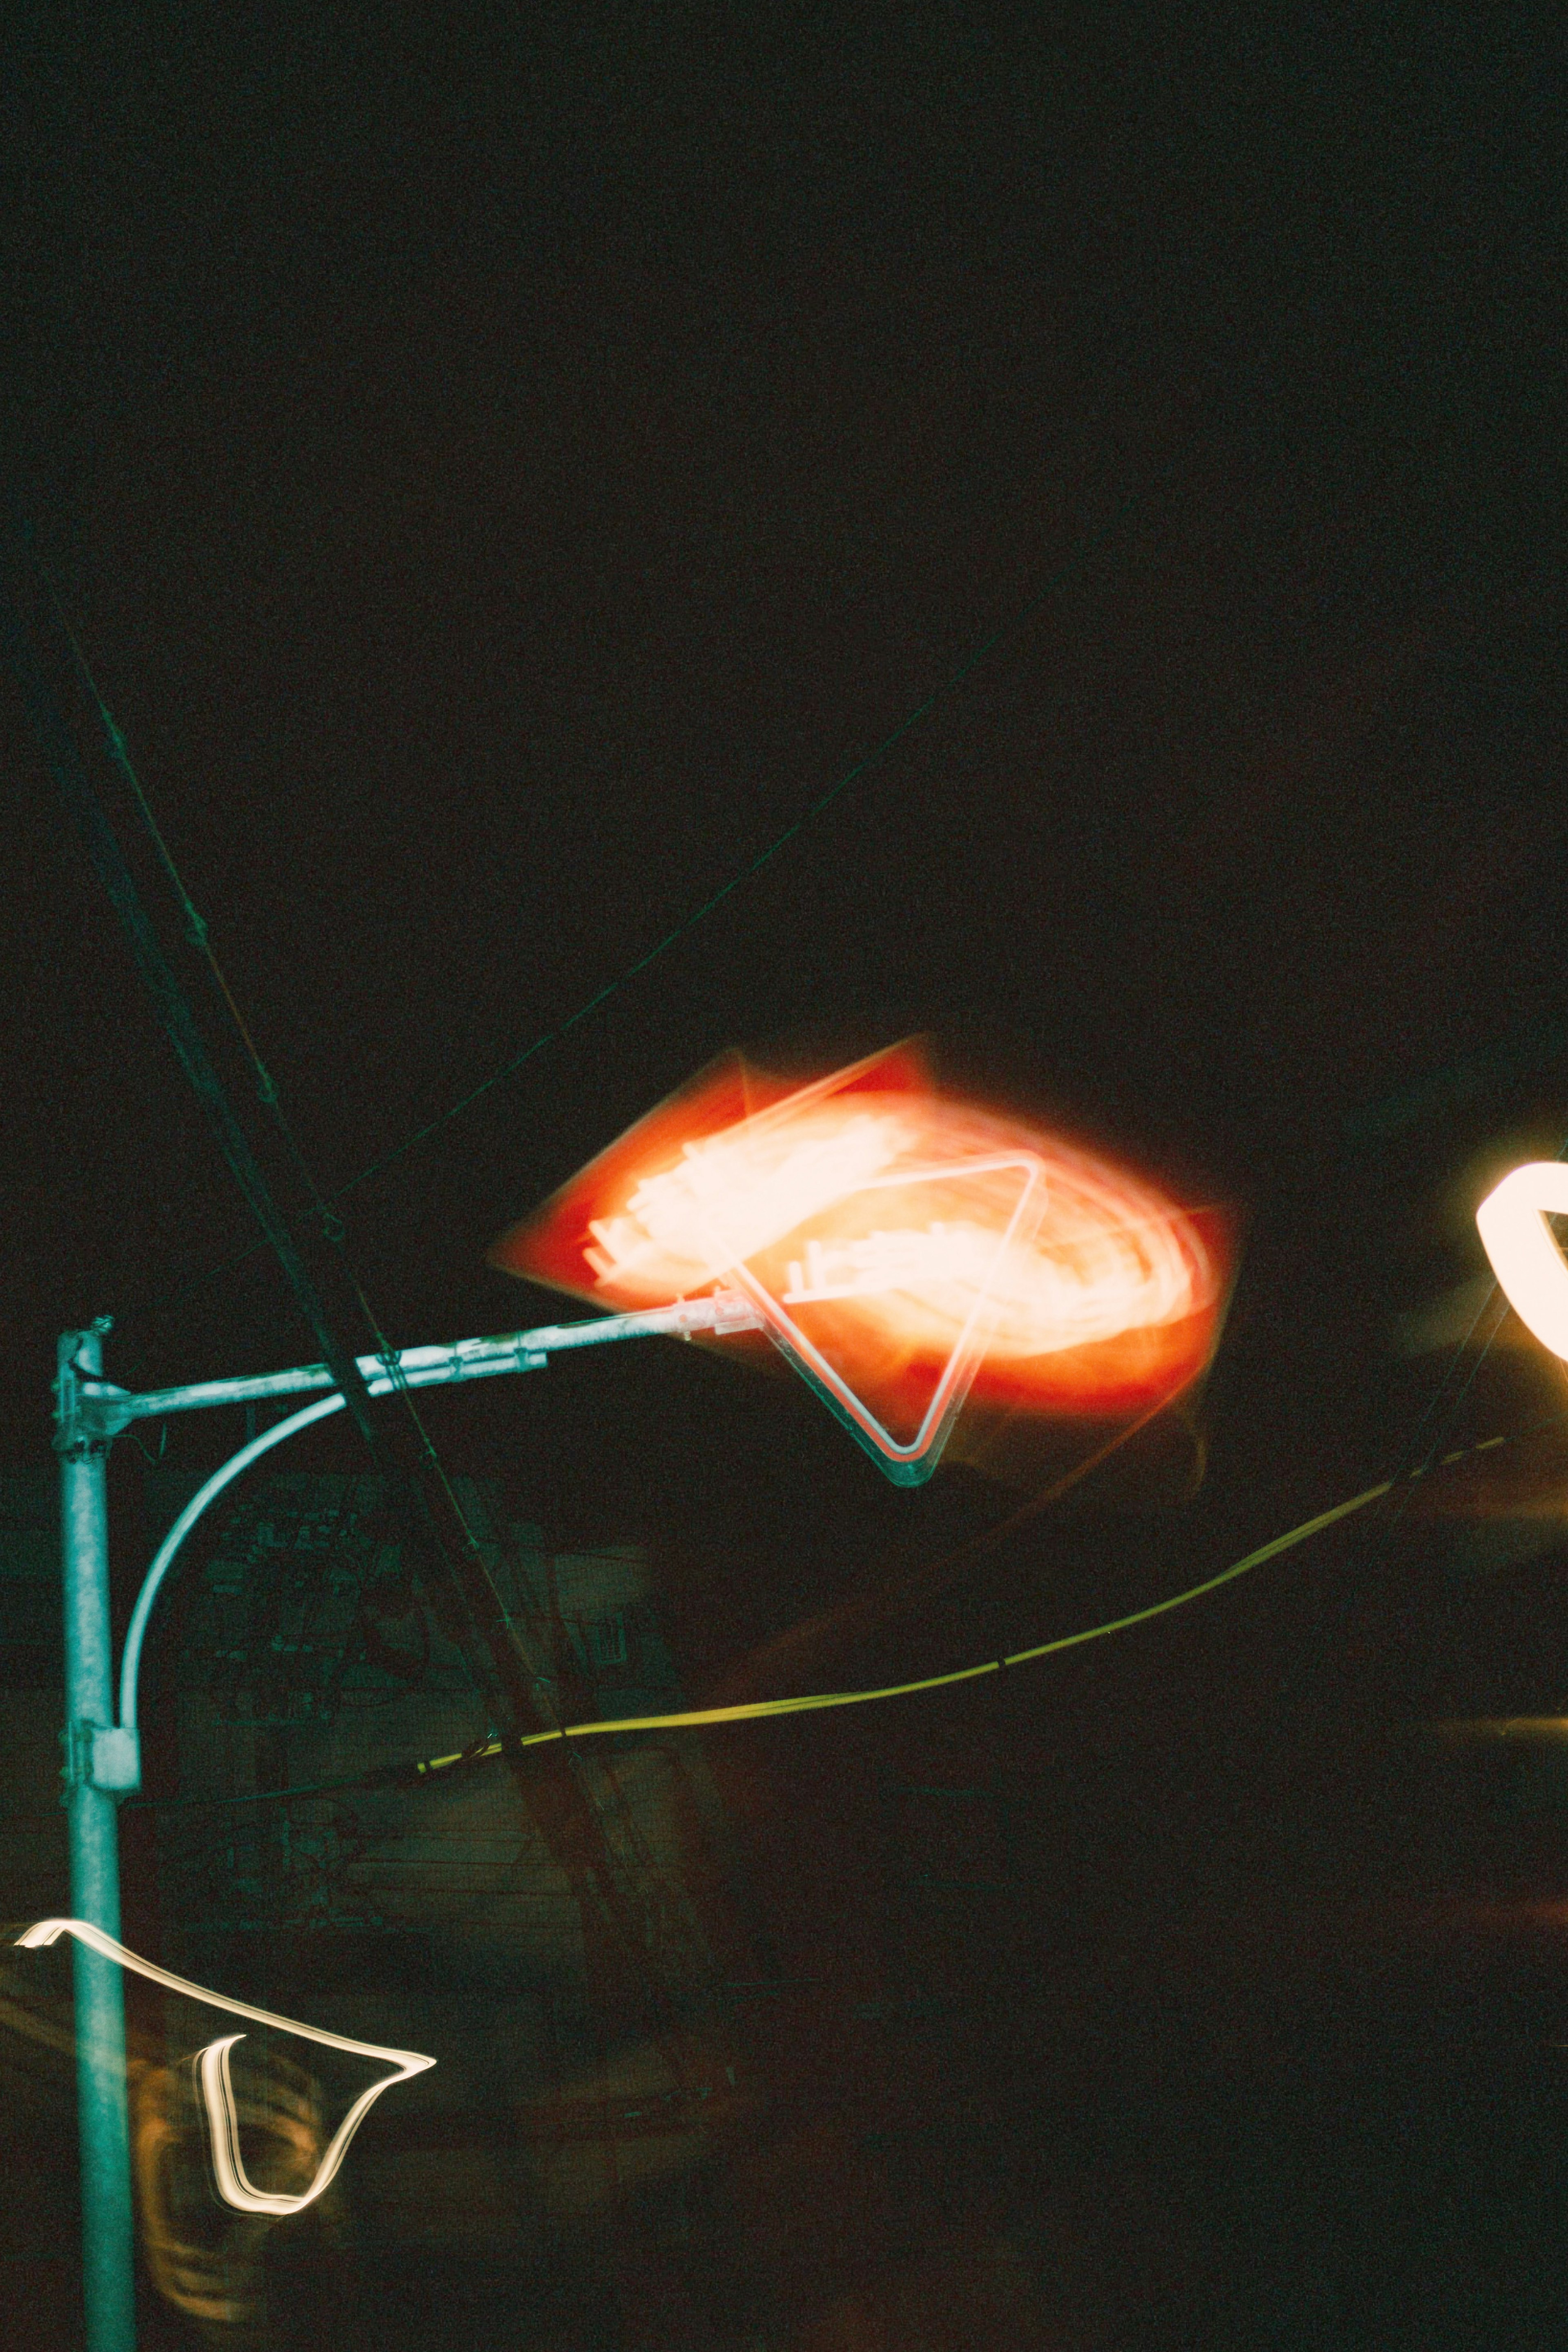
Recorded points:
(213, 2069)
(963, 1362)
(164, 1558)
(1523, 1251)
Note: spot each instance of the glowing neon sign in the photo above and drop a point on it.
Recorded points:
(216, 2082)
(902, 1249)
(899, 1261)
(1525, 1258)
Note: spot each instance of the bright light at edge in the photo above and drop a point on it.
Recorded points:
(1525, 1258)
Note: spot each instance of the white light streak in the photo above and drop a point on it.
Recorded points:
(217, 2086)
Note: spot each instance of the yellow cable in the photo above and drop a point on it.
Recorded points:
(755, 1709)
(1254, 1560)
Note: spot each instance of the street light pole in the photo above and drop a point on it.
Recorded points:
(107, 2229)
(103, 1758)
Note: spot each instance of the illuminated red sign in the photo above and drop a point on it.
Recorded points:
(902, 1248)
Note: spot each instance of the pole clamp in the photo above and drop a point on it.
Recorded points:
(89, 1409)
(102, 1755)
(732, 1312)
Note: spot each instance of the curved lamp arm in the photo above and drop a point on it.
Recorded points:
(164, 1559)
(117, 1764)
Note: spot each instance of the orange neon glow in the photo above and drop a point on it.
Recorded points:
(902, 1246)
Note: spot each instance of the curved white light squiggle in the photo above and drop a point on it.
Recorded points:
(1525, 1258)
(217, 2086)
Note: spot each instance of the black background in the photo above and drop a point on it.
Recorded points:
(503, 467)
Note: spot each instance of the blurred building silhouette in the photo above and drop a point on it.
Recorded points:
(640, 2118)
(574, 1998)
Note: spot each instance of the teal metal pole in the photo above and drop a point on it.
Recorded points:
(107, 2224)
(102, 1759)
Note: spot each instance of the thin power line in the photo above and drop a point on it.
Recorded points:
(336, 1232)
(332, 1226)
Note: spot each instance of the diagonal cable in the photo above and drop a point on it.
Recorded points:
(181, 1024)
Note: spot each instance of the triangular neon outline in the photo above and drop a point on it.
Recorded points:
(906, 1465)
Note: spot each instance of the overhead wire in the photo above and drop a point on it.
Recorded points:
(26, 649)
(336, 1232)
(429, 1770)
(332, 1226)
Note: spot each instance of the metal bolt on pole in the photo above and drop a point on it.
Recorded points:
(108, 2230)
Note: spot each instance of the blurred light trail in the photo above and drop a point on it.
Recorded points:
(212, 2265)
(217, 2082)
(1530, 1267)
(901, 1247)
(1548, 1731)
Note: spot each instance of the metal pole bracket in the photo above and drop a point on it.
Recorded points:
(100, 1756)
(102, 1412)
(89, 1409)
(116, 1759)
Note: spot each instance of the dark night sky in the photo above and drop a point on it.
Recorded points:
(505, 466)
(505, 469)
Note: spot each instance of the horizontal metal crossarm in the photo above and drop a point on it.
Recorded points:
(105, 1408)
(465, 1360)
